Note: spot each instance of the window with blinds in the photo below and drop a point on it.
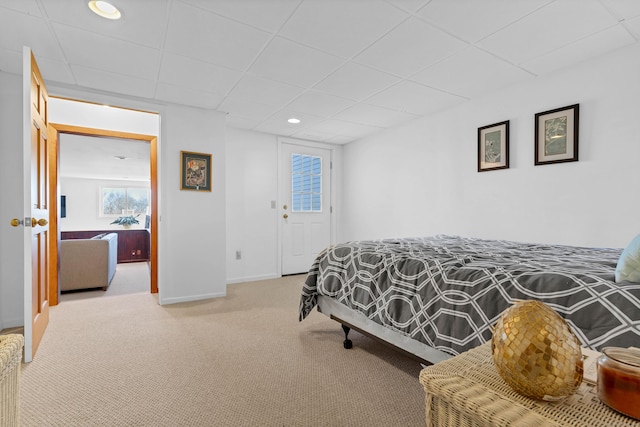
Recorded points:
(306, 183)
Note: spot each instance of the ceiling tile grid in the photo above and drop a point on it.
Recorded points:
(346, 68)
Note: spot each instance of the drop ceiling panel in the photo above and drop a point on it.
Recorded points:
(141, 21)
(241, 122)
(547, 29)
(264, 91)
(349, 129)
(38, 37)
(112, 82)
(289, 62)
(583, 49)
(267, 15)
(248, 109)
(272, 127)
(186, 96)
(320, 104)
(208, 37)
(24, 6)
(414, 98)
(460, 73)
(306, 119)
(633, 25)
(97, 51)
(372, 115)
(473, 20)
(410, 47)
(347, 64)
(316, 23)
(179, 70)
(355, 81)
(57, 71)
(409, 5)
(623, 9)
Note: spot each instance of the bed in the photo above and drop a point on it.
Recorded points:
(436, 297)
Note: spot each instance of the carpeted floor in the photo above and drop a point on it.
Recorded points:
(242, 360)
(130, 278)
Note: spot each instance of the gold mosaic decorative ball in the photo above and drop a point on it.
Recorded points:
(536, 352)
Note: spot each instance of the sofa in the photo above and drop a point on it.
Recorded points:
(88, 263)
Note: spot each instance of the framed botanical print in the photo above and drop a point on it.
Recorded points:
(556, 135)
(493, 147)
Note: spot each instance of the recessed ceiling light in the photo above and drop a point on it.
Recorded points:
(104, 9)
(294, 120)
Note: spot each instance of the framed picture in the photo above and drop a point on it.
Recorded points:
(493, 147)
(556, 135)
(195, 171)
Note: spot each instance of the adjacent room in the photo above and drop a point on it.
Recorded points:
(319, 213)
(105, 190)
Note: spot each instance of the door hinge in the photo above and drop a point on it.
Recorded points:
(330, 209)
(331, 165)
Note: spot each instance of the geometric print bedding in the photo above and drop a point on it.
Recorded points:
(448, 291)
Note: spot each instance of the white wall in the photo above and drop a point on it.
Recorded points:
(191, 229)
(192, 238)
(83, 203)
(252, 184)
(102, 116)
(421, 179)
(11, 201)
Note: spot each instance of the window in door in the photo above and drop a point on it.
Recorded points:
(306, 183)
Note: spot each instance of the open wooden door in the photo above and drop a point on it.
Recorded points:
(37, 217)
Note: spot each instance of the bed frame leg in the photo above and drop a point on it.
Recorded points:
(347, 342)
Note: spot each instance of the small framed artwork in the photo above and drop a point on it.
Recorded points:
(493, 147)
(556, 135)
(195, 171)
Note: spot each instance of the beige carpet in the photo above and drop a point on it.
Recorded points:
(243, 360)
(130, 277)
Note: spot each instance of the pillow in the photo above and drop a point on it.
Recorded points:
(628, 267)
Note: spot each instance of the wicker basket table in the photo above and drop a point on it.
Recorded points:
(468, 391)
(10, 357)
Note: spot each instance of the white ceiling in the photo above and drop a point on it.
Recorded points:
(104, 158)
(346, 68)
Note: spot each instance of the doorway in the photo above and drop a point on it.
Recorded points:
(305, 211)
(56, 130)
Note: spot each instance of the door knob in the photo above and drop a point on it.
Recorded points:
(16, 222)
(41, 222)
(285, 216)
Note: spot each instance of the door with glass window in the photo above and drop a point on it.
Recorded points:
(305, 210)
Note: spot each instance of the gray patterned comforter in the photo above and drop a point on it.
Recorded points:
(448, 291)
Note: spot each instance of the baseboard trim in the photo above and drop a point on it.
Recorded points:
(244, 279)
(189, 298)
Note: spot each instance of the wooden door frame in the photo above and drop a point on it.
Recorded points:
(55, 130)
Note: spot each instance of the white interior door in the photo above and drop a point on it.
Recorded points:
(305, 205)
